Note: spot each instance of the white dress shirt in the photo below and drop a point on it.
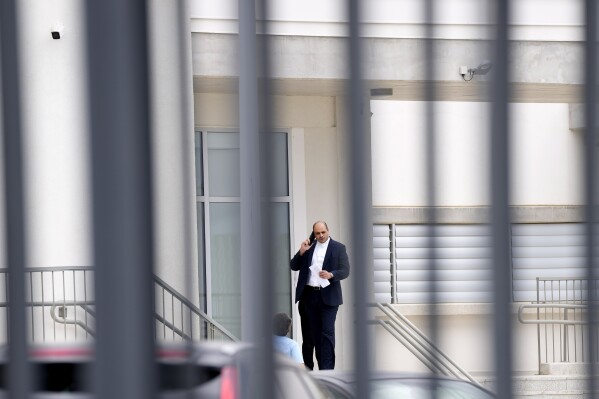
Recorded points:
(317, 259)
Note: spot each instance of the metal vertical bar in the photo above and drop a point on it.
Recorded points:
(582, 329)
(182, 317)
(43, 308)
(590, 163)
(85, 301)
(30, 274)
(255, 292)
(562, 328)
(18, 370)
(559, 291)
(267, 178)
(431, 177)
(173, 316)
(500, 215)
(64, 304)
(538, 329)
(393, 267)
(122, 205)
(75, 303)
(191, 325)
(163, 315)
(360, 188)
(207, 222)
(53, 301)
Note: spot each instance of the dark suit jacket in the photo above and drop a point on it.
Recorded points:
(335, 261)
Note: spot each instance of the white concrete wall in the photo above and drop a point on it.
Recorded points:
(56, 148)
(465, 335)
(455, 19)
(545, 157)
(54, 121)
(56, 143)
(175, 246)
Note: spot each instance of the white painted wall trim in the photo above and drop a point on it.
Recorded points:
(463, 31)
(477, 214)
(298, 210)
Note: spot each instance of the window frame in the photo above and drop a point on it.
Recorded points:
(204, 200)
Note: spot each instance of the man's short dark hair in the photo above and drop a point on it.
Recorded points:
(280, 324)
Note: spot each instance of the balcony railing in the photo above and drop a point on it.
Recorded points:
(561, 316)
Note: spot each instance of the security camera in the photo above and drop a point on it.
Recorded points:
(56, 31)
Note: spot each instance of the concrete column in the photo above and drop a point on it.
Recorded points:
(173, 146)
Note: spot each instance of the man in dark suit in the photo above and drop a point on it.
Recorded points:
(322, 264)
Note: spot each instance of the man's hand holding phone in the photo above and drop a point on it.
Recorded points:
(306, 244)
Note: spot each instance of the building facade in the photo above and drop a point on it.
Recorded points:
(195, 133)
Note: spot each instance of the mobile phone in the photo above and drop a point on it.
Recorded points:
(312, 238)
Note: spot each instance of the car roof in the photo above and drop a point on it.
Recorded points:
(349, 377)
(346, 378)
(208, 354)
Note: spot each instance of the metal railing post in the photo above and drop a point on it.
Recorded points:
(18, 371)
(590, 166)
(122, 197)
(500, 215)
(360, 189)
(255, 274)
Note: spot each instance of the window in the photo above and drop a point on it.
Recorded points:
(217, 166)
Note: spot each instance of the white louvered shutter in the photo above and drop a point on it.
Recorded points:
(382, 263)
(547, 251)
(463, 262)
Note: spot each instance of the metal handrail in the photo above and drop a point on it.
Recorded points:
(564, 306)
(416, 350)
(413, 339)
(194, 308)
(64, 320)
(562, 324)
(72, 282)
(561, 303)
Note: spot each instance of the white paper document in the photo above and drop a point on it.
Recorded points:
(323, 282)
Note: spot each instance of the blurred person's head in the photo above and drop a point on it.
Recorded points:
(281, 324)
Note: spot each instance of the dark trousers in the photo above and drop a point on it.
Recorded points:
(318, 329)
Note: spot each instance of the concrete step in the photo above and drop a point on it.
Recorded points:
(544, 386)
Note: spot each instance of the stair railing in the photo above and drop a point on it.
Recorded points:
(65, 294)
(414, 340)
